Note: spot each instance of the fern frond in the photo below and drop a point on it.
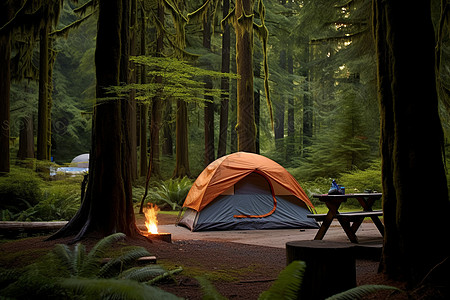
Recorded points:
(79, 256)
(116, 289)
(65, 256)
(209, 290)
(111, 268)
(288, 283)
(142, 274)
(165, 275)
(92, 262)
(360, 292)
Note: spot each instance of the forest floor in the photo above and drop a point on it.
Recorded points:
(238, 271)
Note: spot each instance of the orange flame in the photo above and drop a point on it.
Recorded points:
(151, 222)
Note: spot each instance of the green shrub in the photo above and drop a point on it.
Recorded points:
(170, 193)
(19, 190)
(359, 181)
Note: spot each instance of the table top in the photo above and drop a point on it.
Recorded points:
(356, 195)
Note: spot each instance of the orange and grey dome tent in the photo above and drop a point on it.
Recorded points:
(246, 191)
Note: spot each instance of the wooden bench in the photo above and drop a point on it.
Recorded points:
(351, 216)
(350, 222)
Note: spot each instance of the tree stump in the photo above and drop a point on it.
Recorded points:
(330, 267)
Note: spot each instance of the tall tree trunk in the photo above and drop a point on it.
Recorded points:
(233, 110)
(209, 100)
(290, 143)
(5, 84)
(132, 79)
(167, 144)
(224, 84)
(182, 154)
(257, 102)
(155, 126)
(26, 138)
(411, 151)
(307, 128)
(246, 128)
(43, 107)
(143, 106)
(280, 108)
(143, 117)
(108, 205)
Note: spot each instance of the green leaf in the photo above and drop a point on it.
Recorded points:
(288, 283)
(208, 289)
(361, 291)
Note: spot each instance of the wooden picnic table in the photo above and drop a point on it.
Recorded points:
(350, 221)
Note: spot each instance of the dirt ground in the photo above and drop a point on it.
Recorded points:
(238, 271)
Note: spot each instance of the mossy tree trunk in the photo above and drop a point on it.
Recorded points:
(208, 111)
(415, 195)
(108, 205)
(224, 84)
(246, 128)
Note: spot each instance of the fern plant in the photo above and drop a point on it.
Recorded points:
(170, 193)
(66, 272)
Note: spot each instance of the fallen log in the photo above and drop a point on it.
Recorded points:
(13, 228)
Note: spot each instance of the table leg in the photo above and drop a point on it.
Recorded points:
(332, 211)
(379, 224)
(324, 227)
(348, 230)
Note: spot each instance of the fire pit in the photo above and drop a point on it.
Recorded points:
(161, 236)
(151, 222)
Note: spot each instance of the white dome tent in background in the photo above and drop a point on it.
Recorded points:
(81, 161)
(78, 166)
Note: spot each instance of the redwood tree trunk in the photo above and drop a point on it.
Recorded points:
(246, 128)
(224, 85)
(108, 205)
(413, 174)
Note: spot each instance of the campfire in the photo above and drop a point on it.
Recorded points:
(151, 222)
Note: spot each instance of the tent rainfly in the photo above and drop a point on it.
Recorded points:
(244, 191)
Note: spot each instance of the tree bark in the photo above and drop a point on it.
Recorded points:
(132, 79)
(224, 84)
(280, 107)
(307, 108)
(143, 106)
(26, 138)
(43, 116)
(5, 84)
(167, 145)
(155, 125)
(411, 150)
(246, 128)
(209, 100)
(108, 206)
(182, 153)
(290, 142)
